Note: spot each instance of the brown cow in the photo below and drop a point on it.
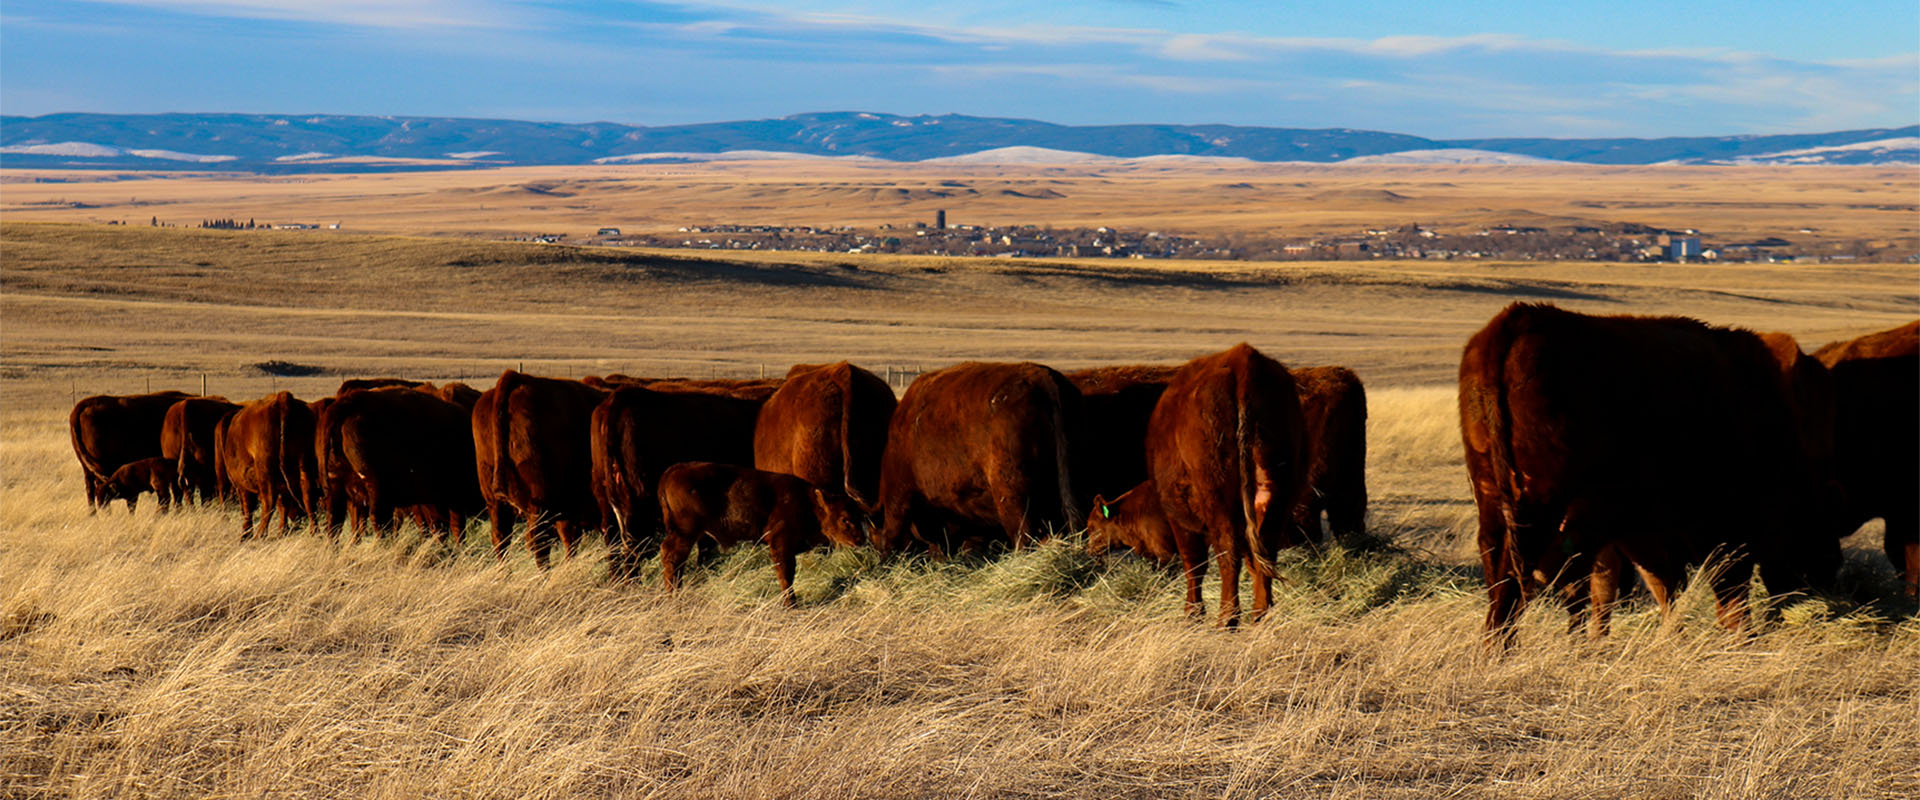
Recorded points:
(1117, 403)
(1657, 441)
(266, 459)
(365, 384)
(154, 475)
(979, 446)
(1225, 448)
(459, 394)
(186, 436)
(532, 448)
(1877, 437)
(1132, 520)
(730, 504)
(1120, 399)
(398, 447)
(827, 425)
(110, 432)
(1333, 405)
(638, 432)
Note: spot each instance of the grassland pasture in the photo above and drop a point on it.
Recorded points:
(162, 656)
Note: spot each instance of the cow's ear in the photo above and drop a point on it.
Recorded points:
(1101, 504)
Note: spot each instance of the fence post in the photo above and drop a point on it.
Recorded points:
(203, 384)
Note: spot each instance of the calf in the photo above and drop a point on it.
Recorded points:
(731, 504)
(1133, 520)
(154, 475)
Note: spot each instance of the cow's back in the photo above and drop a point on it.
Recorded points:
(1117, 402)
(541, 448)
(987, 445)
(1664, 437)
(1876, 381)
(416, 445)
(1226, 452)
(187, 438)
(827, 424)
(109, 432)
(1333, 407)
(640, 431)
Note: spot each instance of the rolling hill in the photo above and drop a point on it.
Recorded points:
(331, 143)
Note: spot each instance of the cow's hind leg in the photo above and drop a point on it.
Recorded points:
(500, 519)
(1505, 601)
(1229, 563)
(247, 502)
(1193, 562)
(540, 537)
(1902, 544)
(673, 554)
(781, 547)
(1603, 591)
(1262, 587)
(1730, 589)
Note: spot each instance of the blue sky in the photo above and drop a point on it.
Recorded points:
(1495, 68)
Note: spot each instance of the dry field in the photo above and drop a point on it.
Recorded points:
(1295, 200)
(162, 657)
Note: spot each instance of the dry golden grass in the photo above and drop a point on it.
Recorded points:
(163, 657)
(1876, 203)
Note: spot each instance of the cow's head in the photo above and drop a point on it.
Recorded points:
(840, 523)
(1131, 520)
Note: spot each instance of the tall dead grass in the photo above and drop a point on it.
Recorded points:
(153, 656)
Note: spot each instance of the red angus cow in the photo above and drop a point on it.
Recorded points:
(730, 504)
(532, 449)
(1225, 449)
(638, 432)
(459, 394)
(186, 436)
(1333, 402)
(1117, 402)
(1333, 405)
(1595, 442)
(980, 446)
(266, 458)
(827, 425)
(399, 448)
(364, 384)
(110, 432)
(1877, 437)
(146, 475)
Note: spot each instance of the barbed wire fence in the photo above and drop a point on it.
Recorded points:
(321, 382)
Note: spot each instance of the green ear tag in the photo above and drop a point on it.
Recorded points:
(1105, 511)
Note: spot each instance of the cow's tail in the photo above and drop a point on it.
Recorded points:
(849, 386)
(89, 461)
(1505, 334)
(276, 449)
(1062, 451)
(502, 434)
(332, 456)
(607, 450)
(1254, 481)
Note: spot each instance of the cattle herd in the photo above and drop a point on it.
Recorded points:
(1592, 443)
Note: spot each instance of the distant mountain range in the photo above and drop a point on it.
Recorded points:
(326, 143)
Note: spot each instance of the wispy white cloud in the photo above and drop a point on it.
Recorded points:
(359, 13)
(703, 60)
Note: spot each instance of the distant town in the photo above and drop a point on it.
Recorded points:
(1609, 242)
(1613, 242)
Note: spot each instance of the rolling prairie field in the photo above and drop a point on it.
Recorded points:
(151, 655)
